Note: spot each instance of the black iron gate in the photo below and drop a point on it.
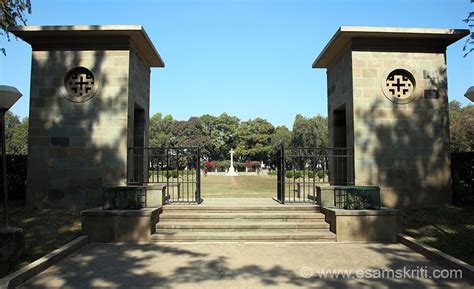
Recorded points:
(301, 170)
(178, 169)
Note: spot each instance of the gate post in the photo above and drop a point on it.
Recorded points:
(198, 176)
(281, 175)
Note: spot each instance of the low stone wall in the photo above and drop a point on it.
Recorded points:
(365, 225)
(113, 226)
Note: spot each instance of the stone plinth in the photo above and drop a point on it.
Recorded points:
(387, 99)
(112, 226)
(231, 172)
(365, 225)
(89, 102)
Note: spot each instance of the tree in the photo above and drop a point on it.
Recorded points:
(12, 13)
(468, 46)
(16, 134)
(282, 136)
(191, 133)
(254, 140)
(455, 107)
(310, 132)
(461, 127)
(160, 130)
(222, 131)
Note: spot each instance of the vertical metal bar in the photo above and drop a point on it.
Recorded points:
(283, 171)
(4, 169)
(278, 167)
(177, 170)
(187, 177)
(198, 176)
(167, 175)
(193, 176)
(128, 165)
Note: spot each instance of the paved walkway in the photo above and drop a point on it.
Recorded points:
(237, 265)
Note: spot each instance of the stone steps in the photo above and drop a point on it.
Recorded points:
(236, 209)
(240, 223)
(240, 226)
(241, 216)
(274, 236)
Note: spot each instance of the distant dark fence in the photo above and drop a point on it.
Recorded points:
(16, 173)
(462, 170)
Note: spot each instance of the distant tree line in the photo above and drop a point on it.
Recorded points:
(252, 140)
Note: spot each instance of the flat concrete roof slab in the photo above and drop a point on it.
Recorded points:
(137, 34)
(345, 34)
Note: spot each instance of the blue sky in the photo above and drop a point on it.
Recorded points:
(248, 58)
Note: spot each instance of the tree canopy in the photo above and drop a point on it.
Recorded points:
(461, 126)
(16, 134)
(12, 13)
(254, 140)
(310, 132)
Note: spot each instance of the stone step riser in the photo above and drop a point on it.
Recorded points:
(235, 241)
(175, 212)
(217, 231)
(241, 216)
(276, 221)
(243, 227)
(159, 238)
(293, 220)
(239, 210)
(230, 241)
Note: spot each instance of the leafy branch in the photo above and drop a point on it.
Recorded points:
(12, 13)
(468, 45)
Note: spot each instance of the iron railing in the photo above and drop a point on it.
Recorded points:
(300, 170)
(177, 168)
(357, 197)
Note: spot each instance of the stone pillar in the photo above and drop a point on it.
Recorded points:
(89, 102)
(387, 98)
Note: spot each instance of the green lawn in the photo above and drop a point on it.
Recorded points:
(240, 186)
(449, 229)
(45, 231)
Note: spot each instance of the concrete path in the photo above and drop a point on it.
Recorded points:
(240, 265)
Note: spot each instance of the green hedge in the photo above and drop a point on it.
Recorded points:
(298, 174)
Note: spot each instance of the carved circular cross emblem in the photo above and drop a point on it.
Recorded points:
(399, 86)
(80, 84)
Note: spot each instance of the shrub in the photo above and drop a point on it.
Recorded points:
(210, 164)
(356, 202)
(322, 174)
(289, 174)
(299, 174)
(311, 174)
(174, 173)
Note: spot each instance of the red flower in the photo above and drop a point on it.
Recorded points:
(210, 164)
